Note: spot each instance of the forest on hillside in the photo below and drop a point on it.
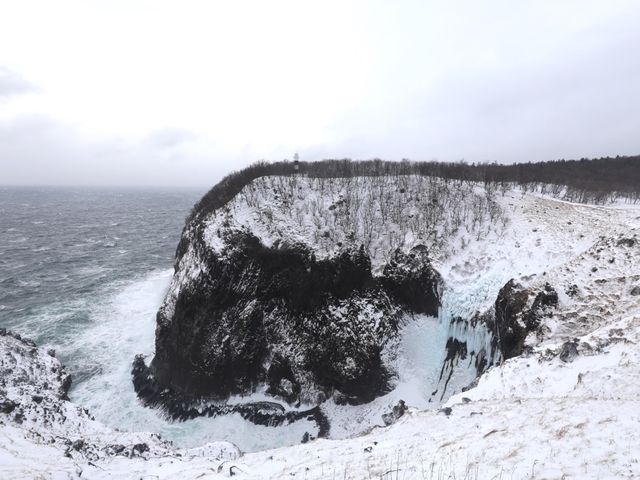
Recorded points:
(586, 180)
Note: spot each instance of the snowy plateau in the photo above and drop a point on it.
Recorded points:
(558, 391)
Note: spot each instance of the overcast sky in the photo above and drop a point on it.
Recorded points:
(181, 92)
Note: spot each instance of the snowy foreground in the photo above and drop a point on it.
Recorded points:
(568, 408)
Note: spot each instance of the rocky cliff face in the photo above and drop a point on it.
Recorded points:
(34, 405)
(519, 311)
(304, 328)
(298, 288)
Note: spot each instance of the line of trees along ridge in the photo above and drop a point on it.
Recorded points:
(586, 180)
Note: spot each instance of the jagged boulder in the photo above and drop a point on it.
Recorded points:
(569, 351)
(41, 374)
(519, 311)
(394, 415)
(544, 300)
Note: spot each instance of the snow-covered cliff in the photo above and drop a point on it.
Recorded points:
(300, 288)
(44, 435)
(564, 405)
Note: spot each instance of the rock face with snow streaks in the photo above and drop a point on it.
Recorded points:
(32, 384)
(34, 403)
(298, 287)
(280, 317)
(518, 311)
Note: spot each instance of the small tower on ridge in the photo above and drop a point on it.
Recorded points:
(296, 162)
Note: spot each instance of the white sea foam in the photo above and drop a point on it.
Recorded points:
(123, 325)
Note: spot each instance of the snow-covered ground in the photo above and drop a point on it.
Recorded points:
(569, 408)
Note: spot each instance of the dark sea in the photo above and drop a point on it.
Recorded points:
(83, 271)
(64, 251)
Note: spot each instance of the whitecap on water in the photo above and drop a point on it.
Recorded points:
(123, 325)
(91, 270)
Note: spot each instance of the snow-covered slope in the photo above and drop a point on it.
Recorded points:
(42, 433)
(568, 407)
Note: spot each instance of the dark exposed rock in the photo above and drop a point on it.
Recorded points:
(569, 351)
(140, 448)
(65, 385)
(628, 242)
(277, 316)
(179, 407)
(77, 445)
(572, 290)
(481, 362)
(410, 283)
(115, 449)
(635, 291)
(446, 410)
(234, 470)
(473, 384)
(510, 333)
(340, 398)
(396, 412)
(514, 319)
(4, 332)
(545, 298)
(7, 406)
(281, 380)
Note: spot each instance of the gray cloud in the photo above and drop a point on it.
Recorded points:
(492, 82)
(39, 150)
(11, 83)
(170, 137)
(582, 101)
